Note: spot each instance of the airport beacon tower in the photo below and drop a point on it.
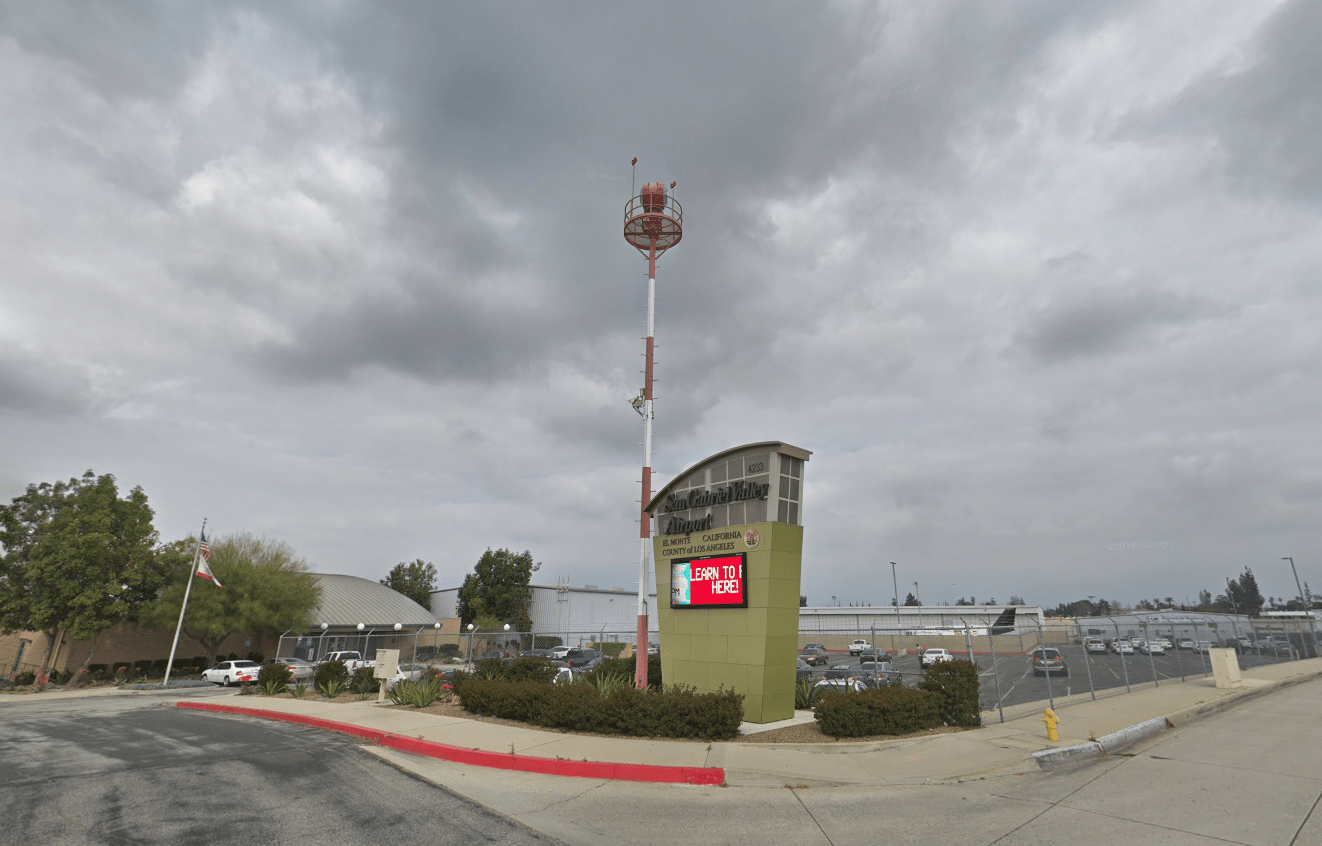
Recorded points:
(653, 223)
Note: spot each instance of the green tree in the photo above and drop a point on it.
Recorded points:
(416, 581)
(911, 600)
(803, 601)
(1243, 594)
(78, 559)
(499, 587)
(267, 588)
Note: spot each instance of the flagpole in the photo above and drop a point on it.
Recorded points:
(197, 555)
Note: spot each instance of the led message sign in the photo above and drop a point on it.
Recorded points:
(715, 581)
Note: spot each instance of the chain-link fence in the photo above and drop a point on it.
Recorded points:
(1021, 671)
(430, 646)
(1044, 665)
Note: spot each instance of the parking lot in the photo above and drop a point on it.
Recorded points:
(1008, 683)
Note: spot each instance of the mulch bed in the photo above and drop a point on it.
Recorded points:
(805, 733)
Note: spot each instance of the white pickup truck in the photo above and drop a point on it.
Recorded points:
(352, 660)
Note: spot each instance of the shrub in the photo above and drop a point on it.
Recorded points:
(677, 712)
(611, 650)
(256, 657)
(330, 672)
(880, 710)
(447, 650)
(300, 689)
(274, 678)
(956, 683)
(546, 641)
(98, 669)
(24, 679)
(141, 668)
(363, 681)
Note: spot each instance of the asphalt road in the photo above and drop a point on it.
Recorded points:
(130, 770)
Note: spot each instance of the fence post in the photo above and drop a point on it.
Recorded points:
(1197, 642)
(1087, 660)
(1152, 661)
(1118, 651)
(1046, 672)
(996, 674)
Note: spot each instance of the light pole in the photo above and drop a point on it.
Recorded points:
(896, 586)
(360, 645)
(1312, 634)
(470, 647)
(507, 637)
(321, 641)
(916, 595)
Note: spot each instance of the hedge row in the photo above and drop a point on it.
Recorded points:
(677, 712)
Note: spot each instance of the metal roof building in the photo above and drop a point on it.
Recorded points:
(347, 601)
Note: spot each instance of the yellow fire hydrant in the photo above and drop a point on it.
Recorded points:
(1052, 721)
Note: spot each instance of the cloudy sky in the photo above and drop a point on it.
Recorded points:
(1037, 283)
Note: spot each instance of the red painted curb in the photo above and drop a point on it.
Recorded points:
(495, 760)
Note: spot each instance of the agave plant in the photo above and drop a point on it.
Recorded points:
(606, 685)
(803, 694)
(419, 694)
(333, 688)
(300, 690)
(273, 687)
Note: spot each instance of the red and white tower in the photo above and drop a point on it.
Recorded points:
(653, 223)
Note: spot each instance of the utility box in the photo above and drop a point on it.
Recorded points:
(387, 663)
(1225, 668)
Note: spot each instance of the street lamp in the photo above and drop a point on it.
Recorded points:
(321, 640)
(896, 586)
(1307, 610)
(917, 597)
(507, 638)
(470, 646)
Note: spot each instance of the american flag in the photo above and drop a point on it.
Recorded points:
(203, 571)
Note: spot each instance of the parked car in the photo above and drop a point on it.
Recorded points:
(820, 646)
(1047, 660)
(935, 656)
(1152, 647)
(1165, 643)
(814, 656)
(352, 660)
(883, 671)
(579, 658)
(1095, 644)
(802, 671)
(871, 654)
(299, 670)
(407, 672)
(1186, 643)
(559, 652)
(846, 685)
(1202, 646)
(1122, 646)
(858, 646)
(227, 673)
(653, 649)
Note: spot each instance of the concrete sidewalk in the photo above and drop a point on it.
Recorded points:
(996, 748)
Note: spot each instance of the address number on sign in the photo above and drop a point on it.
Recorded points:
(759, 467)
